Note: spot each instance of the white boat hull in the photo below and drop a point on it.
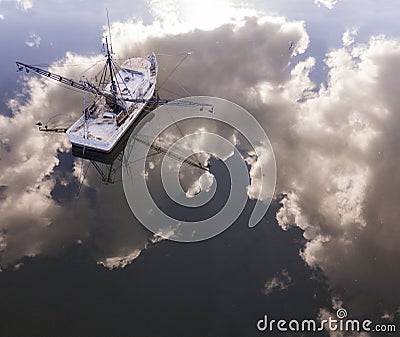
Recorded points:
(102, 134)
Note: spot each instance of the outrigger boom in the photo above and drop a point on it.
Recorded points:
(90, 87)
(83, 85)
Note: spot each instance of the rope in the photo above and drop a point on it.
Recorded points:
(173, 70)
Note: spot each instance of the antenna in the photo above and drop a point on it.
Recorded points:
(109, 31)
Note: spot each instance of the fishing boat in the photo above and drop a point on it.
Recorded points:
(120, 97)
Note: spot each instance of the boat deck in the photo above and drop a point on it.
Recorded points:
(107, 121)
(101, 129)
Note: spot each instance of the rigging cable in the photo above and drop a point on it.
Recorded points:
(173, 70)
(80, 176)
(183, 136)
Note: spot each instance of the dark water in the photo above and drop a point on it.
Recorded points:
(211, 288)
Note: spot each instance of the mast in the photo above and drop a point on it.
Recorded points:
(110, 67)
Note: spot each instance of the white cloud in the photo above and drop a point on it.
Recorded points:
(124, 259)
(204, 183)
(339, 163)
(327, 3)
(120, 261)
(24, 4)
(348, 37)
(1, 16)
(259, 187)
(33, 40)
(280, 281)
(165, 234)
(185, 15)
(18, 266)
